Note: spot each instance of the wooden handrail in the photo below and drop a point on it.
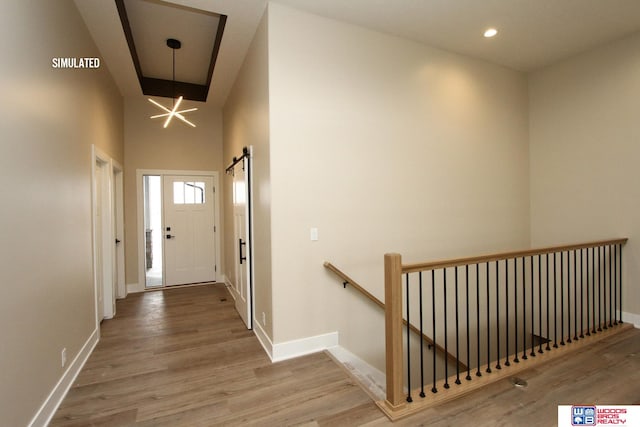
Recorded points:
(354, 284)
(436, 265)
(394, 269)
(376, 301)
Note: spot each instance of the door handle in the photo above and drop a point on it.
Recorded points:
(117, 241)
(169, 236)
(240, 245)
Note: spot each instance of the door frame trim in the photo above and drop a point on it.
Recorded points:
(109, 271)
(118, 232)
(140, 215)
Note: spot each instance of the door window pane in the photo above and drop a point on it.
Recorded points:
(188, 192)
(178, 192)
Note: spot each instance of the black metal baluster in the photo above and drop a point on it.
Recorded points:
(547, 306)
(610, 290)
(409, 399)
(604, 287)
(599, 290)
(588, 308)
(569, 296)
(620, 282)
(540, 302)
(615, 284)
(488, 324)
(498, 316)
(582, 293)
(446, 347)
(506, 299)
(457, 336)
(533, 353)
(555, 302)
(593, 287)
(524, 310)
(575, 296)
(421, 344)
(478, 373)
(434, 389)
(515, 305)
(468, 377)
(561, 298)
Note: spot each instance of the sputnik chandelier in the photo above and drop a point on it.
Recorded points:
(170, 113)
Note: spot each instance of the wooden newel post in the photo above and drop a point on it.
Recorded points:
(393, 329)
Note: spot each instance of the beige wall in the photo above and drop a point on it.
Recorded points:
(246, 123)
(48, 120)
(385, 145)
(178, 147)
(584, 153)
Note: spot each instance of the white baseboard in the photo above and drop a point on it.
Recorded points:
(631, 318)
(263, 338)
(300, 347)
(52, 402)
(133, 288)
(228, 285)
(295, 348)
(372, 379)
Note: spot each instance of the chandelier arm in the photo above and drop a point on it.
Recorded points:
(159, 105)
(185, 120)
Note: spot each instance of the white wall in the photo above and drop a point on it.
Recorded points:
(246, 123)
(178, 147)
(385, 145)
(585, 147)
(48, 120)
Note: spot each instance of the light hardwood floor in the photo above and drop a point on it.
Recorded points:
(182, 357)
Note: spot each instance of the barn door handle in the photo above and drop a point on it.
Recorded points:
(240, 245)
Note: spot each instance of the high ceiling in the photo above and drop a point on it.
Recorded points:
(532, 33)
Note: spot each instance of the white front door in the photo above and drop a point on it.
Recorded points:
(241, 288)
(189, 230)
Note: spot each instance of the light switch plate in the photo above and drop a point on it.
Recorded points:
(314, 234)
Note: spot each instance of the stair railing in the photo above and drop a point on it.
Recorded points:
(499, 314)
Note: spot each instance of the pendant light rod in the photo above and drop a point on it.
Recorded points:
(173, 44)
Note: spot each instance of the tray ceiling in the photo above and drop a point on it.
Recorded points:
(148, 24)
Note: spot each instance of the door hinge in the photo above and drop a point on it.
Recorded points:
(215, 268)
(214, 228)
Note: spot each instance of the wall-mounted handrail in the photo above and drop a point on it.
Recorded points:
(349, 281)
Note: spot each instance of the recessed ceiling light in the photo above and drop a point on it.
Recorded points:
(490, 33)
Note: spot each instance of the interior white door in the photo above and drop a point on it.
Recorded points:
(241, 288)
(118, 193)
(189, 230)
(98, 244)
